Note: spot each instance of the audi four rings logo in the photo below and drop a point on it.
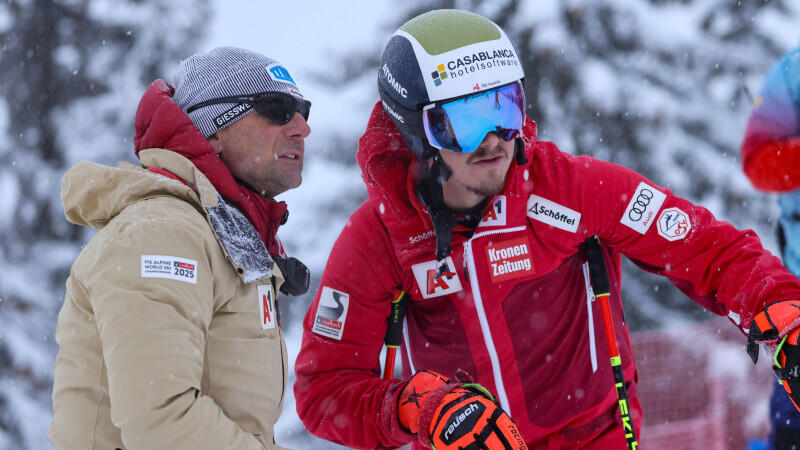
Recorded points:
(640, 205)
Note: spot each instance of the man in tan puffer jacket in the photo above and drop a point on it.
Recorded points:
(169, 333)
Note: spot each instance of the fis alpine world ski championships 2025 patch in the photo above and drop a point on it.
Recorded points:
(169, 267)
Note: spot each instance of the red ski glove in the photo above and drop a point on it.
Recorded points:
(778, 326)
(454, 416)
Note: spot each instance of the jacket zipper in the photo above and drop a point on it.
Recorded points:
(280, 344)
(485, 330)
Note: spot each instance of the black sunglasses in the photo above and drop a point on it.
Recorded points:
(275, 106)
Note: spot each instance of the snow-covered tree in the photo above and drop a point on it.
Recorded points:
(73, 71)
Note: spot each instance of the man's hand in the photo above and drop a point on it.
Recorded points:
(414, 396)
(778, 326)
(450, 416)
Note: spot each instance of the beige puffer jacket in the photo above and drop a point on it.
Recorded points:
(168, 333)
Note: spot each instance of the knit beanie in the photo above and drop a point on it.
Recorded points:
(222, 72)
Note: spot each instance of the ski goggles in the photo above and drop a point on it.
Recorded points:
(278, 107)
(460, 125)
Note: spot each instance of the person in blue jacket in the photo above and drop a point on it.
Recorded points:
(771, 160)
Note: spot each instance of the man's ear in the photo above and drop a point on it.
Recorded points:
(216, 144)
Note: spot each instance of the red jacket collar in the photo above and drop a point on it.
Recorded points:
(160, 123)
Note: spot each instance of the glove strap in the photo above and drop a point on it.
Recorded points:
(784, 373)
(426, 414)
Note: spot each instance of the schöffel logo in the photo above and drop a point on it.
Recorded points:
(553, 214)
(643, 207)
(421, 237)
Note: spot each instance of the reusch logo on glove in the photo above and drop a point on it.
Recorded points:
(461, 422)
(509, 259)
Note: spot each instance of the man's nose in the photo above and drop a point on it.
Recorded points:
(491, 140)
(297, 127)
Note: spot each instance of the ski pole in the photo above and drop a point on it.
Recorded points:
(394, 332)
(602, 290)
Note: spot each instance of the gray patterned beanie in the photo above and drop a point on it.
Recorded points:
(227, 71)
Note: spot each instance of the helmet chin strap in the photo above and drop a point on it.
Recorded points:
(519, 151)
(442, 216)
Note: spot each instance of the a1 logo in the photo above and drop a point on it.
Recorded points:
(266, 304)
(436, 278)
(496, 213)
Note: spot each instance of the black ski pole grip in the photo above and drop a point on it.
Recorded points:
(597, 267)
(394, 330)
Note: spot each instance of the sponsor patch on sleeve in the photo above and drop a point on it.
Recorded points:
(170, 267)
(509, 259)
(266, 303)
(495, 214)
(642, 208)
(432, 283)
(673, 224)
(331, 313)
(553, 214)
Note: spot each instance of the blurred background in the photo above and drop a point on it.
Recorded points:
(661, 86)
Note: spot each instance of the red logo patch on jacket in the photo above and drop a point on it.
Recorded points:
(437, 278)
(331, 313)
(509, 259)
(495, 213)
(266, 306)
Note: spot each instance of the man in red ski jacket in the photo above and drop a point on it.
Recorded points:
(482, 226)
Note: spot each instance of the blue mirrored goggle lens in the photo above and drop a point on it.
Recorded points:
(461, 125)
